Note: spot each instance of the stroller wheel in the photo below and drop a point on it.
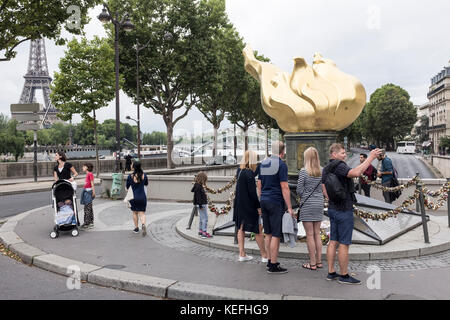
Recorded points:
(54, 235)
(74, 232)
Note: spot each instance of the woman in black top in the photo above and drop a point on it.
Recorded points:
(247, 209)
(63, 170)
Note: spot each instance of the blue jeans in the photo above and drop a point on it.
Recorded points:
(203, 217)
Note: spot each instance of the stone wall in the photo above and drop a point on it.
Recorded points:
(11, 170)
(442, 163)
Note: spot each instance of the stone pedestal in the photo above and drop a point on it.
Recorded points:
(297, 143)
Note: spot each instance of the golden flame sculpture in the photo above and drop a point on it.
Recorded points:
(317, 98)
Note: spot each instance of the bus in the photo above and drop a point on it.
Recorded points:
(406, 147)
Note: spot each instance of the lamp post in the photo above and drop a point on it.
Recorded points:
(139, 134)
(126, 24)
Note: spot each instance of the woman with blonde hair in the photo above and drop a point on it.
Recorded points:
(310, 191)
(247, 209)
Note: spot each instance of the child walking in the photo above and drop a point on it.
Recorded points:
(87, 196)
(201, 202)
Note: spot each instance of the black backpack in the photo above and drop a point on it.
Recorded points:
(337, 193)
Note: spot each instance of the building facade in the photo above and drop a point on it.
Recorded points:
(439, 107)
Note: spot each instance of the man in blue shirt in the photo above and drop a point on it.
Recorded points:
(386, 174)
(274, 194)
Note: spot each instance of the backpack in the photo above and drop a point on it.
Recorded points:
(394, 183)
(374, 174)
(335, 190)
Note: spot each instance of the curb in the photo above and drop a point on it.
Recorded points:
(37, 189)
(357, 256)
(435, 171)
(127, 281)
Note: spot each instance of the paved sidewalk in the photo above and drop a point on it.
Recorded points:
(27, 185)
(166, 264)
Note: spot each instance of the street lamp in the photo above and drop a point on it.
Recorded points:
(126, 24)
(139, 133)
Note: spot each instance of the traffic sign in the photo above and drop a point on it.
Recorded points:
(26, 107)
(27, 116)
(29, 126)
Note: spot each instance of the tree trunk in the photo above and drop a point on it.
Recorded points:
(235, 142)
(97, 161)
(246, 139)
(170, 164)
(214, 151)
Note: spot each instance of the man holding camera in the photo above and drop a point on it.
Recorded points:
(386, 174)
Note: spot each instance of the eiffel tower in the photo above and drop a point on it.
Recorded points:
(37, 77)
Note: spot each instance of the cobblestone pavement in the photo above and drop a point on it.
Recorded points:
(163, 231)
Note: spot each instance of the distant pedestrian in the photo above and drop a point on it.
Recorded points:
(337, 178)
(64, 170)
(370, 173)
(138, 182)
(309, 188)
(87, 196)
(386, 174)
(128, 162)
(247, 209)
(275, 197)
(201, 202)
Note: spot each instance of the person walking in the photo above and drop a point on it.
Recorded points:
(64, 170)
(128, 162)
(370, 173)
(274, 195)
(309, 189)
(201, 202)
(138, 182)
(386, 174)
(246, 208)
(340, 190)
(87, 196)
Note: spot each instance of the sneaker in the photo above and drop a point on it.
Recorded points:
(200, 232)
(144, 230)
(203, 236)
(276, 269)
(90, 226)
(264, 260)
(333, 276)
(84, 226)
(246, 258)
(136, 230)
(348, 280)
(207, 235)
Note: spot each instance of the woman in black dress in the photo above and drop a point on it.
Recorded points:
(138, 182)
(63, 170)
(247, 209)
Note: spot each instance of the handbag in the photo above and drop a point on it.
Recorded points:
(298, 211)
(128, 197)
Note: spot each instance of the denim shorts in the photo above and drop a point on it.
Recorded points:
(341, 226)
(272, 214)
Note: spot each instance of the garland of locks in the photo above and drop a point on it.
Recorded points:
(377, 185)
(223, 210)
(220, 190)
(434, 194)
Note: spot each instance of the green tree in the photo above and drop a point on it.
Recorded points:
(85, 82)
(173, 69)
(444, 143)
(22, 20)
(11, 140)
(390, 115)
(221, 91)
(422, 130)
(155, 138)
(246, 108)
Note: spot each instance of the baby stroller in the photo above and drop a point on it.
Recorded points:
(66, 212)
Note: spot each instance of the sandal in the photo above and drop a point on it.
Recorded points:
(309, 266)
(319, 265)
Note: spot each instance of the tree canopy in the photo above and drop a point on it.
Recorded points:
(22, 20)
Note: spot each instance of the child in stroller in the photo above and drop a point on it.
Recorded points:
(65, 205)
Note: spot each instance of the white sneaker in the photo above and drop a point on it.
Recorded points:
(264, 260)
(246, 258)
